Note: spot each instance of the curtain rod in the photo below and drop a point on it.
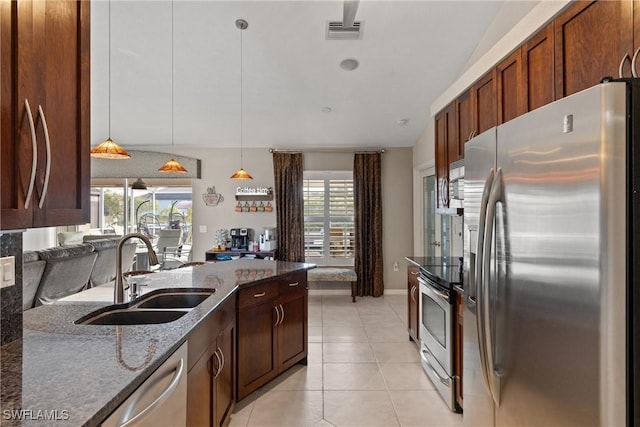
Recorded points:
(319, 150)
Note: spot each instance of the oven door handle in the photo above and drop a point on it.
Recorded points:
(495, 197)
(435, 290)
(443, 380)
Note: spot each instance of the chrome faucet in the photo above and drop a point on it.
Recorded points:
(118, 292)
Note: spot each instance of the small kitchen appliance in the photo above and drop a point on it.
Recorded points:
(240, 238)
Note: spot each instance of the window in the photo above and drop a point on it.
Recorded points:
(329, 237)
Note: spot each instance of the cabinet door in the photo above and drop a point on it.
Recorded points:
(537, 69)
(442, 165)
(464, 120)
(256, 347)
(591, 41)
(224, 382)
(292, 330)
(412, 303)
(63, 68)
(484, 102)
(200, 390)
(509, 76)
(453, 148)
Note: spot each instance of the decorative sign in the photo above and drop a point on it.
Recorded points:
(211, 198)
(254, 191)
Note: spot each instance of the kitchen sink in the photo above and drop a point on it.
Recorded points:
(173, 300)
(159, 306)
(133, 316)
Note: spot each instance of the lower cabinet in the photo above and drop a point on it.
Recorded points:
(272, 330)
(413, 293)
(459, 339)
(210, 389)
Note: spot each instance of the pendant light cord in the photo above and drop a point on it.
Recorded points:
(109, 66)
(172, 80)
(241, 104)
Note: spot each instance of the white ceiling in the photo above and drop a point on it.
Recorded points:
(409, 53)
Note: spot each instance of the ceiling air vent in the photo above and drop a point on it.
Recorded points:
(336, 31)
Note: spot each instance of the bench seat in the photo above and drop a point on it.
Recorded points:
(331, 274)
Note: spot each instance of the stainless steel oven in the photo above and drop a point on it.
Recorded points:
(436, 336)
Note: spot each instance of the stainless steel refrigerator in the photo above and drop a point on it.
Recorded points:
(550, 257)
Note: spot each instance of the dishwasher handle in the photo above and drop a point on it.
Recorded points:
(179, 372)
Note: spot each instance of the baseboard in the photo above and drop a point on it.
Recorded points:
(348, 292)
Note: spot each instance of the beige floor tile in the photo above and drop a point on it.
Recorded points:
(381, 320)
(405, 376)
(352, 376)
(298, 377)
(242, 409)
(344, 334)
(423, 409)
(348, 352)
(314, 353)
(395, 333)
(315, 334)
(406, 352)
(315, 319)
(287, 408)
(359, 408)
(351, 318)
(336, 300)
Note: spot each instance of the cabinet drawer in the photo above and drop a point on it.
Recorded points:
(296, 282)
(258, 294)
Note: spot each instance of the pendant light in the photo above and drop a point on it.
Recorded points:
(172, 166)
(109, 149)
(242, 25)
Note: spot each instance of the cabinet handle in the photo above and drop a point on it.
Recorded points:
(34, 148)
(620, 68)
(277, 314)
(634, 73)
(261, 294)
(282, 311)
(415, 273)
(223, 361)
(219, 363)
(293, 284)
(163, 396)
(47, 172)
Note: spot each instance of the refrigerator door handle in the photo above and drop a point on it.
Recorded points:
(495, 196)
(475, 288)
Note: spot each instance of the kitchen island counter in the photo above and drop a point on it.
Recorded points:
(65, 374)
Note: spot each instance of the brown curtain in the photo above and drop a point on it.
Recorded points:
(367, 185)
(289, 188)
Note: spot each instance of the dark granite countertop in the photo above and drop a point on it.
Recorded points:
(79, 374)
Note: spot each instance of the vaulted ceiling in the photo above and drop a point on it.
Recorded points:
(294, 92)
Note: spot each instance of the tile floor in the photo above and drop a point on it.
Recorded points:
(362, 371)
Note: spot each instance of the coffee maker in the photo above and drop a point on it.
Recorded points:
(240, 239)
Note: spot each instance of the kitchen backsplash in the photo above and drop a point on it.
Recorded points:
(11, 297)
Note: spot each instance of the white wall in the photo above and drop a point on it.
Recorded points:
(219, 164)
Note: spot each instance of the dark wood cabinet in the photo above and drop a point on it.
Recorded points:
(464, 120)
(413, 293)
(211, 369)
(537, 69)
(45, 117)
(459, 347)
(272, 330)
(509, 87)
(442, 166)
(591, 41)
(484, 102)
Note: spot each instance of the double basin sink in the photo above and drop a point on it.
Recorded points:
(159, 306)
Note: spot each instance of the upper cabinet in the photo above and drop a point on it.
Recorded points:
(592, 40)
(485, 107)
(44, 96)
(538, 86)
(509, 87)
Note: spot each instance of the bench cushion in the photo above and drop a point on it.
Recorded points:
(331, 275)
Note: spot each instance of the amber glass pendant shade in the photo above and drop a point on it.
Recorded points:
(241, 174)
(172, 166)
(109, 149)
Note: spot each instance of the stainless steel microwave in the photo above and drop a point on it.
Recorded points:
(456, 184)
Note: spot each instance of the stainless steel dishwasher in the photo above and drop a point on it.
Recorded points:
(160, 400)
